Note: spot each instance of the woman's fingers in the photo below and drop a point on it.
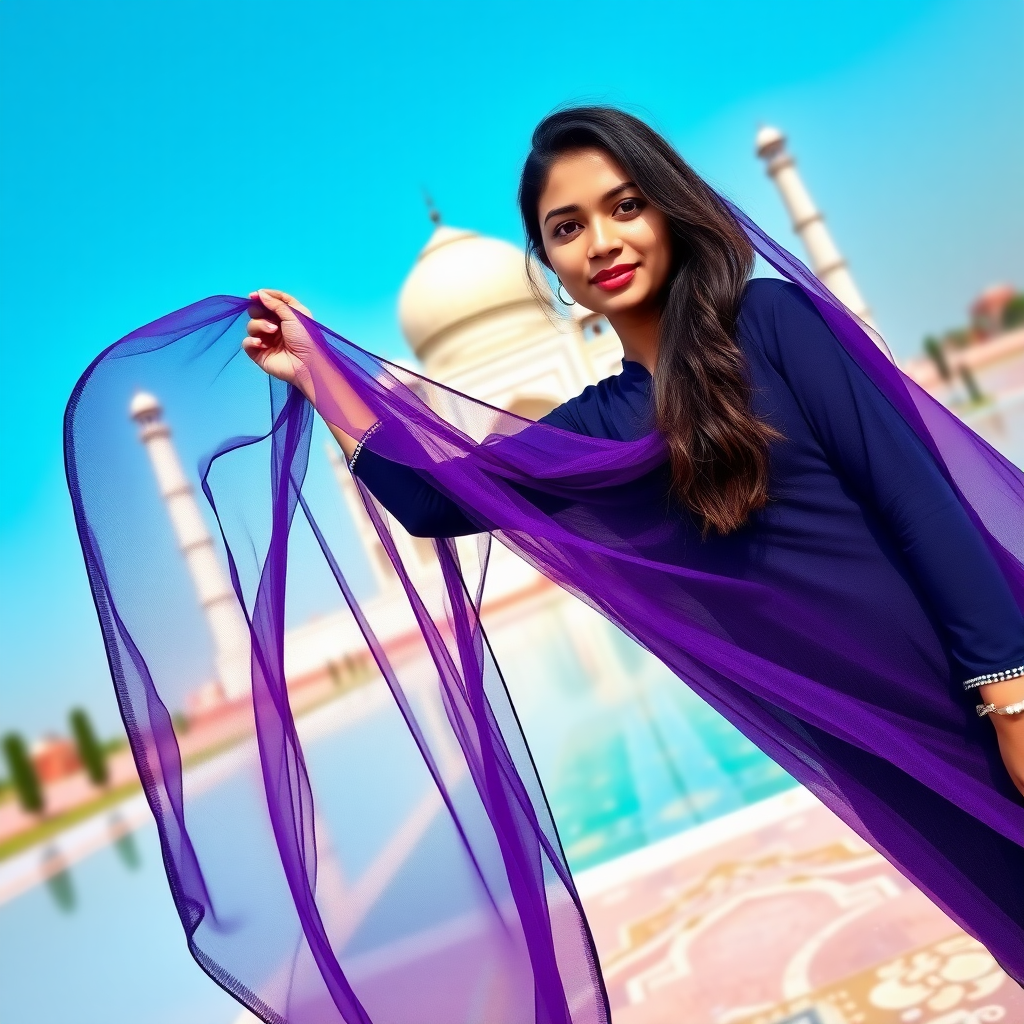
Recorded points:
(276, 293)
(257, 327)
(275, 304)
(285, 297)
(255, 350)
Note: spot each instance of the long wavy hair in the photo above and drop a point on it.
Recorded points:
(718, 449)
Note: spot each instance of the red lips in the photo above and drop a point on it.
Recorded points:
(611, 273)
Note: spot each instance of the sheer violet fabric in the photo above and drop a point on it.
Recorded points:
(483, 922)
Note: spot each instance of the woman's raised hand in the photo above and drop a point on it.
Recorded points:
(277, 341)
(279, 344)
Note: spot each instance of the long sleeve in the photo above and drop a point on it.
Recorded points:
(421, 508)
(886, 464)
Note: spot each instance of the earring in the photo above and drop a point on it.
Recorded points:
(558, 292)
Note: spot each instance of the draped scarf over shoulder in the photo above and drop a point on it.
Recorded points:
(484, 922)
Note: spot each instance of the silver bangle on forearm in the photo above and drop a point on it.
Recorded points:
(359, 444)
(994, 677)
(1007, 709)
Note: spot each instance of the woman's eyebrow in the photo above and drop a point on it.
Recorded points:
(612, 192)
(560, 210)
(574, 207)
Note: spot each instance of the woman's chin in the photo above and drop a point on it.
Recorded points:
(628, 300)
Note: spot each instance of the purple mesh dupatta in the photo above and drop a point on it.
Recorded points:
(426, 882)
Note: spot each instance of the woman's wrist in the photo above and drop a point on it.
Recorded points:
(366, 435)
(1001, 694)
(303, 381)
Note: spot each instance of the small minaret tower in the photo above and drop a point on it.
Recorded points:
(384, 574)
(808, 222)
(227, 625)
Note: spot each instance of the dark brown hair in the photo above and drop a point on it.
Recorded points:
(718, 449)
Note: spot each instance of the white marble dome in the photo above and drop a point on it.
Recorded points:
(459, 277)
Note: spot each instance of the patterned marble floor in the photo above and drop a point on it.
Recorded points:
(779, 914)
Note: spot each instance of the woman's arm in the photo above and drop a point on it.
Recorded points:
(882, 458)
(279, 343)
(420, 507)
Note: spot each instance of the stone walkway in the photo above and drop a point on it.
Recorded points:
(779, 913)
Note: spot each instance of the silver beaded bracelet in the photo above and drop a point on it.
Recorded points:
(994, 677)
(359, 444)
(1008, 709)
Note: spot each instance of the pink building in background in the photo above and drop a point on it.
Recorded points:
(996, 361)
(54, 758)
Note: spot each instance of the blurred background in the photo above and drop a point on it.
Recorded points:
(365, 158)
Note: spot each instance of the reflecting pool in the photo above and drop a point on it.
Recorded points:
(627, 755)
(626, 758)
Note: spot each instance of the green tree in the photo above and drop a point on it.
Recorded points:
(1013, 312)
(971, 383)
(958, 338)
(23, 773)
(934, 349)
(90, 750)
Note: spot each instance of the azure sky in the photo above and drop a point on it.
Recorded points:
(156, 153)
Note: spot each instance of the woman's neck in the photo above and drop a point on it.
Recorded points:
(637, 330)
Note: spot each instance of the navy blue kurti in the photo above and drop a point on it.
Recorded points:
(851, 485)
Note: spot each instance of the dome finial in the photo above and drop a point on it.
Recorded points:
(432, 210)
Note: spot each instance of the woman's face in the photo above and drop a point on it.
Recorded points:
(610, 248)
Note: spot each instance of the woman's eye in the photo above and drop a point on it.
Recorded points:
(565, 229)
(630, 206)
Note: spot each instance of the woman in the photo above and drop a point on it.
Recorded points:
(760, 499)
(633, 233)
(786, 469)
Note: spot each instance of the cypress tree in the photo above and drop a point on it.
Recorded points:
(934, 349)
(974, 392)
(1013, 312)
(23, 773)
(90, 751)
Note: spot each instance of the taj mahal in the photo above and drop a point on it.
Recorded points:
(692, 851)
(474, 323)
(470, 317)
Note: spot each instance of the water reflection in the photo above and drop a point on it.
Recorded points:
(123, 837)
(59, 882)
(98, 943)
(626, 753)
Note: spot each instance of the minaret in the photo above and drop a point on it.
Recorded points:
(417, 552)
(384, 574)
(227, 626)
(808, 222)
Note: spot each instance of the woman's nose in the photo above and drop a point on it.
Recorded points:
(604, 240)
